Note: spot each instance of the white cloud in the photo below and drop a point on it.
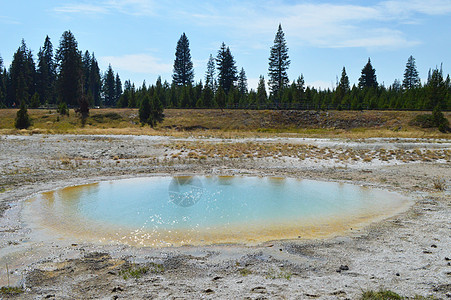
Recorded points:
(82, 8)
(328, 25)
(133, 7)
(406, 8)
(8, 20)
(130, 7)
(137, 63)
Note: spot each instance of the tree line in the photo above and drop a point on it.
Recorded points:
(66, 75)
(226, 87)
(72, 78)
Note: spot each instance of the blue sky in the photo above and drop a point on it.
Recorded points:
(138, 37)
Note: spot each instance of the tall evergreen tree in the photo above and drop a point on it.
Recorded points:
(343, 88)
(118, 88)
(22, 75)
(368, 78)
(227, 71)
(109, 87)
(278, 65)
(210, 79)
(46, 73)
(262, 96)
(2, 85)
(86, 63)
(183, 66)
(242, 83)
(95, 81)
(69, 70)
(411, 77)
(436, 90)
(344, 85)
(22, 121)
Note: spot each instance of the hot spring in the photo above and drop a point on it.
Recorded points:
(200, 210)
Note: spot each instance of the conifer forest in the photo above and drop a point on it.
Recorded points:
(66, 75)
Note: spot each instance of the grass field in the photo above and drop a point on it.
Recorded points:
(227, 123)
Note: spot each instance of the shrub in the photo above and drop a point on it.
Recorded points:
(436, 119)
(23, 121)
(35, 101)
(11, 290)
(439, 184)
(381, 295)
(62, 109)
(100, 118)
(423, 121)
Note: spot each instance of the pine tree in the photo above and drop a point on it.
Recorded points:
(411, 77)
(220, 98)
(109, 87)
(278, 65)
(69, 70)
(144, 110)
(242, 83)
(46, 73)
(227, 71)
(117, 88)
(368, 77)
(210, 80)
(22, 121)
(156, 111)
(2, 85)
(95, 81)
(86, 65)
(262, 97)
(436, 90)
(183, 66)
(343, 89)
(22, 75)
(344, 82)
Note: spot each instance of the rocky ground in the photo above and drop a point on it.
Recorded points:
(408, 253)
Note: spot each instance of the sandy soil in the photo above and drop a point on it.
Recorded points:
(409, 253)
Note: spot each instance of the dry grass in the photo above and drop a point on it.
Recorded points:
(251, 150)
(227, 123)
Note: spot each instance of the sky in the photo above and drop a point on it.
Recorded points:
(138, 37)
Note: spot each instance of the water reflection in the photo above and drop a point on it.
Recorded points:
(185, 191)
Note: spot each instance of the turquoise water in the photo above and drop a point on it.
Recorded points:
(215, 201)
(250, 205)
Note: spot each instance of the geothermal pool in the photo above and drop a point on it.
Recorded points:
(199, 210)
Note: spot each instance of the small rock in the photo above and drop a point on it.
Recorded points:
(259, 289)
(427, 252)
(311, 295)
(336, 293)
(433, 246)
(209, 291)
(447, 258)
(74, 245)
(49, 296)
(343, 268)
(397, 274)
(117, 289)
(217, 278)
